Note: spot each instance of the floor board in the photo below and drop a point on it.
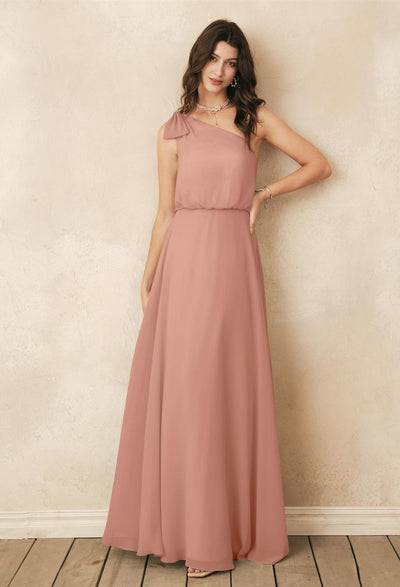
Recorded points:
(330, 561)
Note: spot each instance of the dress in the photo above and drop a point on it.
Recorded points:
(198, 470)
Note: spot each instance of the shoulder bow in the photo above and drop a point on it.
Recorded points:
(176, 126)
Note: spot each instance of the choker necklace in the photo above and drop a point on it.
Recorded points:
(214, 109)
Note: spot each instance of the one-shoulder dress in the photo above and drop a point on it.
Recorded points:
(198, 472)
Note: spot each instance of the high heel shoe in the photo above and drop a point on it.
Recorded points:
(202, 574)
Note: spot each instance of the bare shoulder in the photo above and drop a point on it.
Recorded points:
(268, 122)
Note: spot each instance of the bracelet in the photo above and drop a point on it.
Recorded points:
(265, 187)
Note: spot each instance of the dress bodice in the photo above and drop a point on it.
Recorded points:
(216, 168)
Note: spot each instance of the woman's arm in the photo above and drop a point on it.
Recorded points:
(314, 166)
(167, 170)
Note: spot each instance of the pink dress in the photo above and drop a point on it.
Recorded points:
(198, 473)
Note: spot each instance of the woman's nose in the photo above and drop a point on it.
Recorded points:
(220, 70)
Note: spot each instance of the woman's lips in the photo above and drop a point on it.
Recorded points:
(216, 82)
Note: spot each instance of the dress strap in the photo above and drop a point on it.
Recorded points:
(176, 126)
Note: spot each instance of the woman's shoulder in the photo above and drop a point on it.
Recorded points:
(266, 120)
(263, 113)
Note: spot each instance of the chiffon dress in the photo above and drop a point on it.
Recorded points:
(198, 474)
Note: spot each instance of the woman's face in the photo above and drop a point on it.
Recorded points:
(222, 66)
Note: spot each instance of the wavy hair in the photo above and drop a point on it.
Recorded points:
(243, 96)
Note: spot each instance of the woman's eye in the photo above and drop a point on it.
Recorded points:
(231, 63)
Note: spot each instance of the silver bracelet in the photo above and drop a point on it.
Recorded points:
(265, 187)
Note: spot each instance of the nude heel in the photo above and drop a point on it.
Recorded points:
(203, 574)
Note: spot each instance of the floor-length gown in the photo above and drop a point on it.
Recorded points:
(198, 470)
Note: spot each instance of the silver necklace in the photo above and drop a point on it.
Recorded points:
(214, 109)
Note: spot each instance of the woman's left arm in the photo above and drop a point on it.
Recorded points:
(314, 166)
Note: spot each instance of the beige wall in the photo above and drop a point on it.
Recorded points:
(84, 88)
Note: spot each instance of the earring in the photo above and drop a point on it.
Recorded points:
(235, 79)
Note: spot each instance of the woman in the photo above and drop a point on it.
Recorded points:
(198, 473)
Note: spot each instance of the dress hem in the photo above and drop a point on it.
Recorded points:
(221, 565)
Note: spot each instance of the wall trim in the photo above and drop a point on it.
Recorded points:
(305, 521)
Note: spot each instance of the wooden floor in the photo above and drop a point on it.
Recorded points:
(331, 561)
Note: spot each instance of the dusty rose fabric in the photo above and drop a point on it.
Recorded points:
(198, 472)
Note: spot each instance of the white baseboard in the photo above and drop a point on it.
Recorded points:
(342, 520)
(304, 521)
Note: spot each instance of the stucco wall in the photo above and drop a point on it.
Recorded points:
(84, 89)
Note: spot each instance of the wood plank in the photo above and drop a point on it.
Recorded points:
(123, 568)
(83, 564)
(395, 542)
(377, 561)
(250, 573)
(27, 562)
(298, 568)
(41, 565)
(12, 553)
(335, 561)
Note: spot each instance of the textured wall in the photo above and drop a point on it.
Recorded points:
(84, 88)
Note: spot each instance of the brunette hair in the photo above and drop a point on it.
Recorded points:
(243, 96)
